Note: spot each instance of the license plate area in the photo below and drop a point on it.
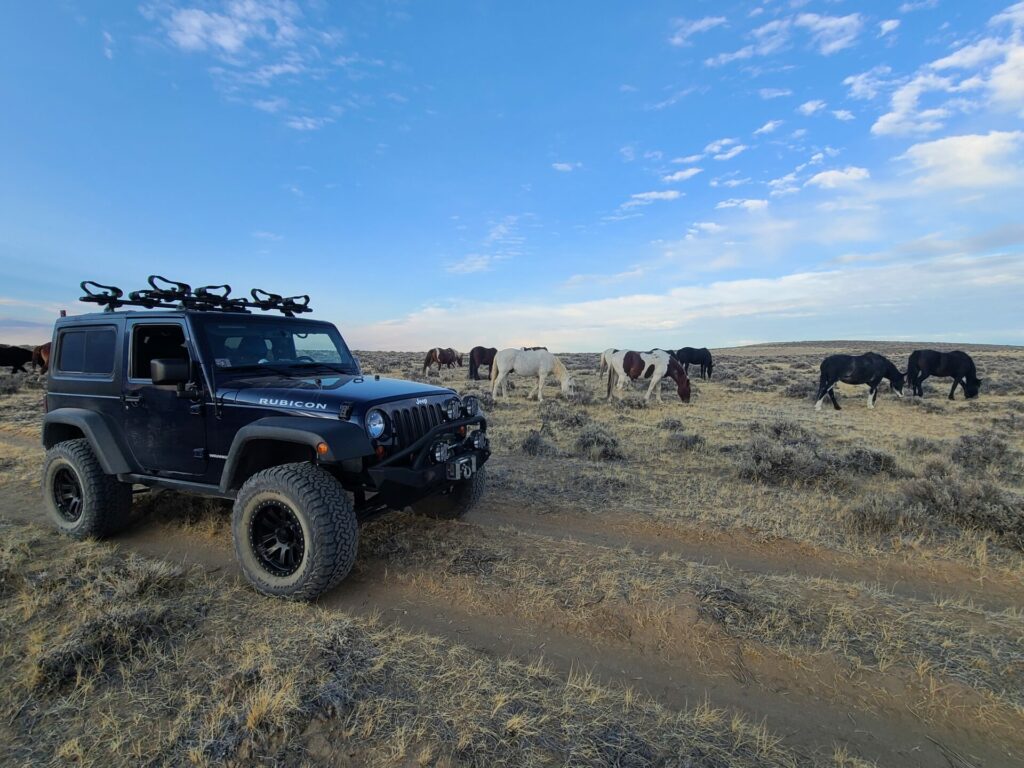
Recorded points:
(462, 468)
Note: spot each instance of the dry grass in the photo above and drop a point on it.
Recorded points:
(112, 660)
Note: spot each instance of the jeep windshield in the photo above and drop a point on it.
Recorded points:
(280, 345)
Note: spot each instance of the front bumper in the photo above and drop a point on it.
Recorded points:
(410, 474)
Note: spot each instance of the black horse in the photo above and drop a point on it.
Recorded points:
(701, 357)
(480, 356)
(16, 357)
(869, 368)
(957, 365)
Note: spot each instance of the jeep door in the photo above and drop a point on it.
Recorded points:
(165, 428)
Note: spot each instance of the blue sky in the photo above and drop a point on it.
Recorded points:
(569, 174)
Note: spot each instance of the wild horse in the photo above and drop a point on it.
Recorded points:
(957, 365)
(869, 368)
(480, 356)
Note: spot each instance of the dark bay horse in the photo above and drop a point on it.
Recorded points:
(869, 368)
(957, 365)
(692, 356)
(480, 356)
(41, 358)
(442, 357)
(16, 357)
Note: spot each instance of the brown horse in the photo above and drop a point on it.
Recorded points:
(41, 358)
(535, 349)
(442, 357)
(480, 356)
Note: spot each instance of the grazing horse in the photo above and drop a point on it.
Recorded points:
(957, 365)
(606, 361)
(701, 357)
(41, 358)
(535, 349)
(480, 356)
(536, 362)
(654, 365)
(869, 368)
(441, 357)
(16, 357)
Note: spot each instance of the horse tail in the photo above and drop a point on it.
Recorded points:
(494, 368)
(472, 366)
(913, 366)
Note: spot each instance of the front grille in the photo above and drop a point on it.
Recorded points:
(410, 423)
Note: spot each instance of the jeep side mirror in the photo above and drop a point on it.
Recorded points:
(169, 371)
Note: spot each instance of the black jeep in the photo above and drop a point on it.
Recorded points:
(196, 393)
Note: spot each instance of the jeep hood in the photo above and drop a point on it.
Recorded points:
(303, 393)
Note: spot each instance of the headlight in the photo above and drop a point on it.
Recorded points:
(441, 452)
(375, 424)
(453, 409)
(479, 440)
(471, 406)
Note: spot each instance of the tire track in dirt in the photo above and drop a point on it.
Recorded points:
(932, 580)
(805, 721)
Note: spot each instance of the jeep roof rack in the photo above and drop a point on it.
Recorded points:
(170, 294)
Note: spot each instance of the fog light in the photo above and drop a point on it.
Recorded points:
(441, 452)
(453, 409)
(479, 440)
(471, 406)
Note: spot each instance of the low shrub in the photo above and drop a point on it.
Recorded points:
(986, 450)
(559, 412)
(596, 443)
(670, 423)
(970, 503)
(535, 444)
(800, 390)
(683, 441)
(884, 515)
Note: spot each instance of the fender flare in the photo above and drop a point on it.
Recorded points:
(105, 443)
(344, 440)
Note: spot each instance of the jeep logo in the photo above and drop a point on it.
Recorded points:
(293, 404)
(421, 401)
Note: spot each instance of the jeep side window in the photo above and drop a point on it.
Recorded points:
(86, 350)
(155, 342)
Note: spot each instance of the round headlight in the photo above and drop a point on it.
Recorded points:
(471, 406)
(441, 452)
(453, 409)
(375, 424)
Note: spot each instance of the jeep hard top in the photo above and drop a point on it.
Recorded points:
(193, 391)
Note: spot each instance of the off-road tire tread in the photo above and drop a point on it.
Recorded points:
(328, 510)
(465, 496)
(107, 501)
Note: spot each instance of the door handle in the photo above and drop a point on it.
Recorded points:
(131, 399)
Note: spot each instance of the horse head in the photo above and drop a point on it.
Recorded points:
(896, 382)
(678, 375)
(971, 388)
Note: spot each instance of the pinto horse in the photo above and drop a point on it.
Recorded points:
(869, 368)
(442, 357)
(535, 362)
(41, 358)
(654, 365)
(957, 365)
(691, 356)
(480, 356)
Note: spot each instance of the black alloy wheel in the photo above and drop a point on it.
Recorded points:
(276, 537)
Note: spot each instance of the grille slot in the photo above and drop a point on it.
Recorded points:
(413, 422)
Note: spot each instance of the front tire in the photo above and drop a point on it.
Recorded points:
(80, 498)
(456, 502)
(295, 531)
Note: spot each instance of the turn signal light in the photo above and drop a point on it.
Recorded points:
(322, 449)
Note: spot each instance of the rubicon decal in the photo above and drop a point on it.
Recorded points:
(293, 404)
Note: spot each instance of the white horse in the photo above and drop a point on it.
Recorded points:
(606, 361)
(537, 363)
(655, 365)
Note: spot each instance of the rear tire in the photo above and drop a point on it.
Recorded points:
(295, 531)
(452, 505)
(80, 498)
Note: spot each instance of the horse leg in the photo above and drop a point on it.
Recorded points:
(823, 387)
(832, 395)
(952, 391)
(499, 381)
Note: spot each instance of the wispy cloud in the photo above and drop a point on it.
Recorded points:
(774, 93)
(306, 123)
(842, 114)
(887, 26)
(812, 107)
(768, 127)
(831, 34)
(746, 204)
(474, 262)
(683, 175)
(969, 161)
(261, 234)
(838, 178)
(108, 45)
(646, 198)
(566, 167)
(684, 29)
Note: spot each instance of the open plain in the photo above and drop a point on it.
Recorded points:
(739, 581)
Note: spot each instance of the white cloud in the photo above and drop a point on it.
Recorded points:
(811, 107)
(270, 105)
(745, 204)
(683, 175)
(838, 178)
(108, 45)
(474, 262)
(1013, 15)
(627, 153)
(918, 5)
(905, 116)
(193, 29)
(264, 235)
(688, 159)
(842, 114)
(566, 167)
(868, 84)
(1006, 82)
(768, 38)
(710, 227)
(973, 55)
(718, 145)
(730, 153)
(684, 29)
(888, 25)
(306, 123)
(646, 198)
(968, 161)
(768, 127)
(729, 181)
(774, 93)
(831, 34)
